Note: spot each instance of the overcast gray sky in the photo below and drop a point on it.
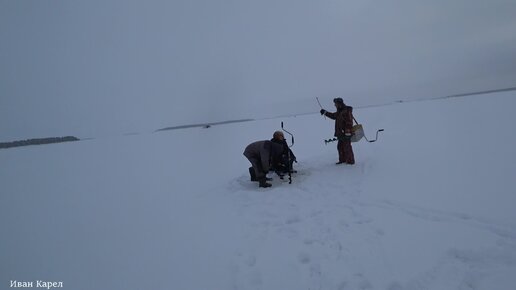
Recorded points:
(95, 68)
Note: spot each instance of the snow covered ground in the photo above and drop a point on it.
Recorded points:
(431, 205)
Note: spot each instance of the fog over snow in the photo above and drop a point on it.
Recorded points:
(102, 68)
(430, 205)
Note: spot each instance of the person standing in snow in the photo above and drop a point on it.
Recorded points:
(343, 130)
(287, 156)
(262, 154)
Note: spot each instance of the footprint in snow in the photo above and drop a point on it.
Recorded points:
(303, 258)
(250, 261)
(293, 220)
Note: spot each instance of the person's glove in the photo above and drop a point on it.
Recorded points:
(323, 111)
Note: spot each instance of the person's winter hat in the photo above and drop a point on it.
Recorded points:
(338, 101)
(278, 135)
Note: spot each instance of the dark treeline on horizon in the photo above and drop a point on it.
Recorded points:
(37, 141)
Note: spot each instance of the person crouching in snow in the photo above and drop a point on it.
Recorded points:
(284, 165)
(343, 130)
(262, 154)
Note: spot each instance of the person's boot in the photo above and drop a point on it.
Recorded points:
(253, 175)
(264, 183)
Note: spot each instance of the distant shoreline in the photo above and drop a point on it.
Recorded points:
(205, 125)
(37, 141)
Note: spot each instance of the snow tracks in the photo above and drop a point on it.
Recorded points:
(323, 232)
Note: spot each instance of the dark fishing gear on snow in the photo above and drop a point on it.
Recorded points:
(289, 157)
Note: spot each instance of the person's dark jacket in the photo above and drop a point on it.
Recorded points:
(343, 121)
(286, 149)
(264, 152)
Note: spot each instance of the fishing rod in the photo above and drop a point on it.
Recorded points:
(317, 98)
